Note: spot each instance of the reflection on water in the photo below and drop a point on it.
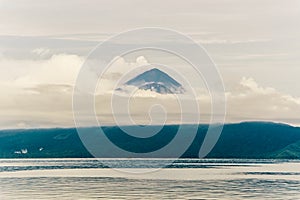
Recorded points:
(185, 179)
(43, 164)
(80, 188)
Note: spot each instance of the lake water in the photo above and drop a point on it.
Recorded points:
(135, 179)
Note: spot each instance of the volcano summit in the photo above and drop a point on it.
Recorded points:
(157, 81)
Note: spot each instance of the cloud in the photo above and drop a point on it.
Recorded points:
(38, 93)
(231, 41)
(249, 101)
(42, 52)
(58, 69)
(50, 88)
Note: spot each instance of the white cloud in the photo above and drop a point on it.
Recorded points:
(58, 69)
(249, 101)
(38, 92)
(35, 93)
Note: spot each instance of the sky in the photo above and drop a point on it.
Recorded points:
(43, 45)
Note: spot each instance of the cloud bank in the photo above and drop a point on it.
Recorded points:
(38, 93)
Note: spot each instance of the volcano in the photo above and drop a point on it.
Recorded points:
(157, 81)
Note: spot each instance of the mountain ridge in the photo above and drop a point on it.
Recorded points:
(241, 140)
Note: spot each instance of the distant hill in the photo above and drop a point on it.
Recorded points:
(243, 140)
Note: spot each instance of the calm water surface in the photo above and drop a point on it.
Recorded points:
(184, 179)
